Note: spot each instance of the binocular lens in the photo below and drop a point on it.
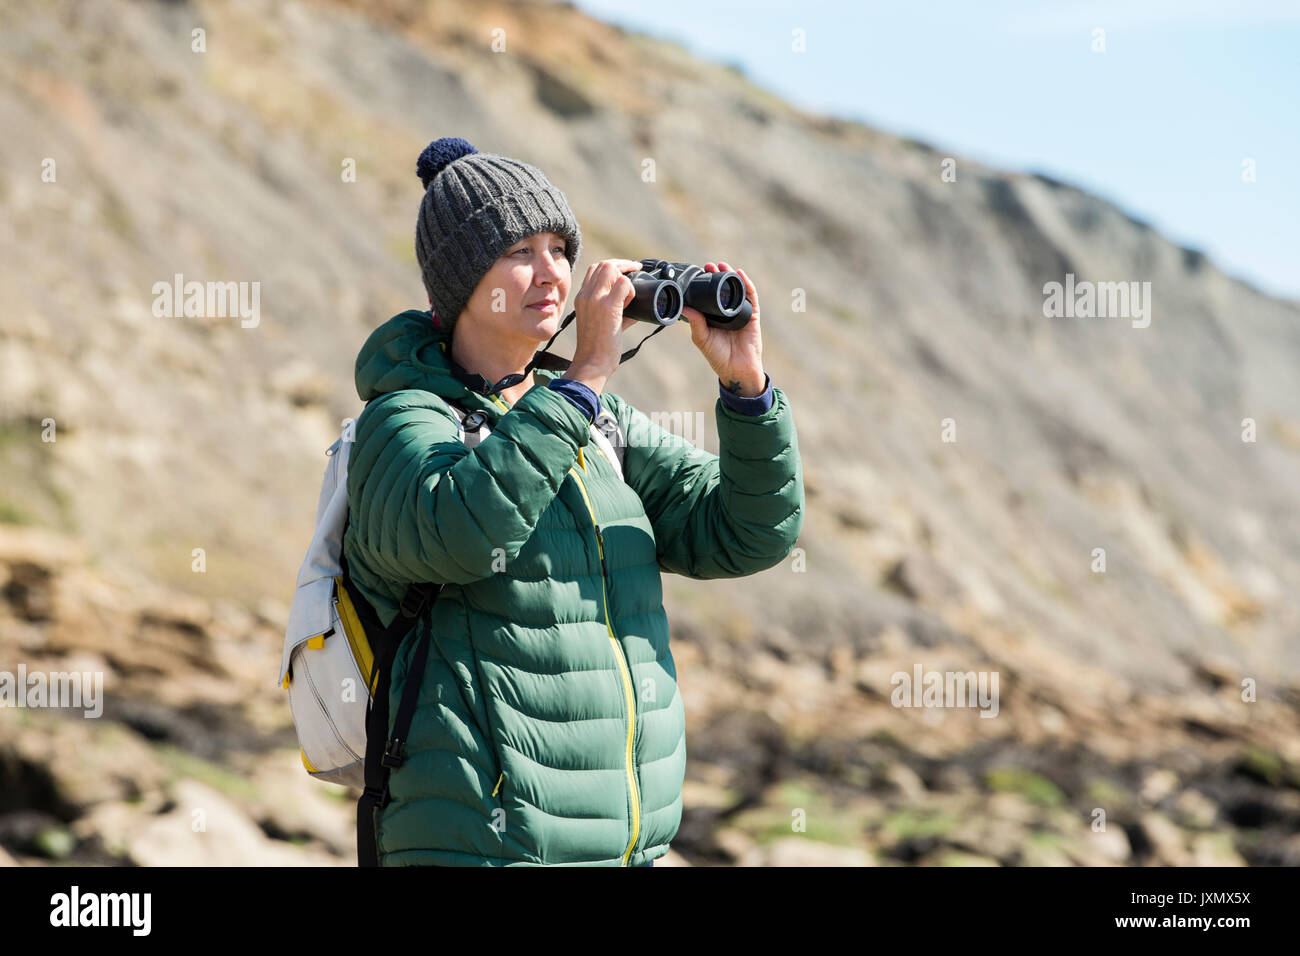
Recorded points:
(668, 302)
(731, 292)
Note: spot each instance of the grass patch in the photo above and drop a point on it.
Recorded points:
(1047, 839)
(822, 821)
(842, 315)
(10, 513)
(1032, 786)
(117, 217)
(1105, 793)
(1268, 766)
(958, 858)
(906, 824)
(885, 739)
(185, 765)
(30, 494)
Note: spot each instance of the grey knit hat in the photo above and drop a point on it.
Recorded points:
(476, 205)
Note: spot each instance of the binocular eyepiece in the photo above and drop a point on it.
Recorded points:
(664, 288)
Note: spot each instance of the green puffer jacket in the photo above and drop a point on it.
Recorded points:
(549, 729)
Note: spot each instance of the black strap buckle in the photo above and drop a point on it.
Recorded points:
(392, 757)
(380, 798)
(413, 601)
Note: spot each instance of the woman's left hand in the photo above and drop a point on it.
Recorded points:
(736, 355)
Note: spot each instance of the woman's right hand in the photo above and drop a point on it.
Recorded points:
(599, 305)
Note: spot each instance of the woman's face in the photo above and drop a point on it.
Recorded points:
(509, 301)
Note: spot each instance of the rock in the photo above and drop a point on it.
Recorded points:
(1101, 847)
(1284, 852)
(273, 613)
(1217, 672)
(1037, 853)
(740, 846)
(918, 578)
(292, 804)
(700, 795)
(191, 616)
(302, 383)
(45, 549)
(842, 662)
(952, 778)
(1052, 720)
(903, 780)
(1012, 806)
(797, 851)
(947, 856)
(1215, 849)
(1196, 810)
(1166, 839)
(1158, 784)
(989, 836)
(93, 760)
(204, 828)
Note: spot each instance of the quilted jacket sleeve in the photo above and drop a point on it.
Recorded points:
(426, 508)
(718, 516)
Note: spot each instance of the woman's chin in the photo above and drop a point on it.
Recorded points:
(541, 324)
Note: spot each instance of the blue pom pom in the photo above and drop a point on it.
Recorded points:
(438, 155)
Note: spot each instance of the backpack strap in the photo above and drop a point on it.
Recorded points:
(384, 751)
(605, 432)
(610, 439)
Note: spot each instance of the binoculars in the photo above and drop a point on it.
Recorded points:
(664, 288)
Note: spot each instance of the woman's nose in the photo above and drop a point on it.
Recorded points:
(551, 269)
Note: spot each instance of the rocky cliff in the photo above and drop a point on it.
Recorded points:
(969, 459)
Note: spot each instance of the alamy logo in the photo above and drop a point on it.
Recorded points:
(208, 300)
(102, 909)
(83, 689)
(1086, 300)
(946, 689)
(661, 428)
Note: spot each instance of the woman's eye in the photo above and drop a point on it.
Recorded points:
(559, 249)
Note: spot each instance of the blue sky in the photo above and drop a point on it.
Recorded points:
(1159, 123)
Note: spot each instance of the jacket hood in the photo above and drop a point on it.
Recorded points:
(409, 351)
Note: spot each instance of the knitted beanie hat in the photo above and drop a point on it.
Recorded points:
(476, 205)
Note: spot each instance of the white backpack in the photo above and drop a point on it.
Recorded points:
(328, 664)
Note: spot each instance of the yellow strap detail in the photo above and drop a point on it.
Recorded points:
(285, 683)
(317, 642)
(498, 786)
(581, 461)
(306, 763)
(355, 633)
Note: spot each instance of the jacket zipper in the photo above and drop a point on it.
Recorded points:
(625, 672)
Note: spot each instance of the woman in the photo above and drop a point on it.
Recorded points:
(548, 729)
